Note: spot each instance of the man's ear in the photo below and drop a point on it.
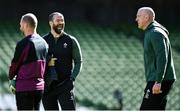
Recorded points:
(147, 17)
(50, 23)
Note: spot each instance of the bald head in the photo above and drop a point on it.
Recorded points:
(30, 19)
(28, 24)
(52, 16)
(148, 11)
(144, 17)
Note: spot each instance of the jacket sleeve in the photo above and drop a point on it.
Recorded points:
(15, 63)
(161, 53)
(77, 58)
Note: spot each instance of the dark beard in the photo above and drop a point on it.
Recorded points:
(57, 29)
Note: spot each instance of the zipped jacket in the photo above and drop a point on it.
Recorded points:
(158, 60)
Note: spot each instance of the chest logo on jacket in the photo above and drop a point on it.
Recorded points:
(65, 45)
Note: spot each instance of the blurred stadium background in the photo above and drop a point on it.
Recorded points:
(112, 46)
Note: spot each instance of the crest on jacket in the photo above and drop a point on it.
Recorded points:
(65, 45)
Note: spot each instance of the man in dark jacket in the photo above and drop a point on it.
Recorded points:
(28, 65)
(158, 61)
(64, 64)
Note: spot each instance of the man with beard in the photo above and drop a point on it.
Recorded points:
(64, 64)
(28, 65)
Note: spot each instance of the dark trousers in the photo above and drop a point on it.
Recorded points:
(156, 101)
(62, 92)
(28, 100)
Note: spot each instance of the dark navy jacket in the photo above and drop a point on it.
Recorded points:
(68, 53)
(29, 63)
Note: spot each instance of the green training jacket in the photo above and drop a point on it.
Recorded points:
(158, 61)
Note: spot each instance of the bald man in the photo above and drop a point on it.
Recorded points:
(66, 58)
(28, 65)
(158, 61)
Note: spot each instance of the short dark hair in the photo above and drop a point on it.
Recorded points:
(30, 19)
(51, 16)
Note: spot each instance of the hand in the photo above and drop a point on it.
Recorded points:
(52, 62)
(12, 86)
(156, 88)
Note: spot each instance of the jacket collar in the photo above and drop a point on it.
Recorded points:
(154, 24)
